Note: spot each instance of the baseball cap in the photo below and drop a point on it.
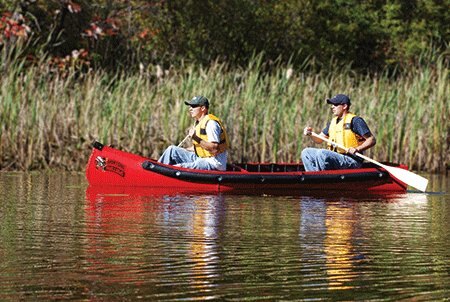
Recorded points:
(198, 100)
(339, 99)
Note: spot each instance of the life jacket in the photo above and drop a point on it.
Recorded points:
(341, 133)
(200, 131)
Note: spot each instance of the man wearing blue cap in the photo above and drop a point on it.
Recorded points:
(209, 141)
(345, 129)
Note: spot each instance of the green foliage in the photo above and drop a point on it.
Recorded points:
(412, 27)
(366, 35)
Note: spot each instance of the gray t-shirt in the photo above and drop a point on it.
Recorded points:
(213, 131)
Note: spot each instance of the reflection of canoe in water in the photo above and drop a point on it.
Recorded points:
(111, 167)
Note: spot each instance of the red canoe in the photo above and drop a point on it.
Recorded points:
(109, 167)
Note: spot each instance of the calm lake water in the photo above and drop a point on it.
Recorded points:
(60, 241)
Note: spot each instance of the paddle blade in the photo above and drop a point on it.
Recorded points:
(409, 178)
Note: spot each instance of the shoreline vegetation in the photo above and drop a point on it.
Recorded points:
(49, 119)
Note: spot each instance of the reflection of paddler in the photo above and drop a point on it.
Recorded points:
(203, 246)
(338, 246)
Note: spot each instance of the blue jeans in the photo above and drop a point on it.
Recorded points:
(181, 157)
(321, 159)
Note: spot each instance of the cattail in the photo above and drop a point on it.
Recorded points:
(289, 73)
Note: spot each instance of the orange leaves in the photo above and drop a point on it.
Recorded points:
(13, 26)
(77, 60)
(147, 34)
(104, 28)
(101, 28)
(94, 31)
(143, 34)
(73, 7)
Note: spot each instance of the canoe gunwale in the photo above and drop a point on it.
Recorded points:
(227, 177)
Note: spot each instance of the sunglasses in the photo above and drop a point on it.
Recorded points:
(195, 106)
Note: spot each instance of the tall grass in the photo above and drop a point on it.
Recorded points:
(49, 120)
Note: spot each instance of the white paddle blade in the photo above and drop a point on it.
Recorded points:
(409, 178)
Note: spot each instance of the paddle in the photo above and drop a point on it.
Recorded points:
(184, 140)
(409, 178)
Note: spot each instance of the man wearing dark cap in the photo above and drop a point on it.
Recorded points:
(209, 141)
(345, 129)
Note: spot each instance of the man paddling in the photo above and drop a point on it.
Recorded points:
(346, 129)
(209, 139)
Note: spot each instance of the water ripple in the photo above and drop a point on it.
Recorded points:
(58, 243)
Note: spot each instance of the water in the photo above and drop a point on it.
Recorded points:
(62, 242)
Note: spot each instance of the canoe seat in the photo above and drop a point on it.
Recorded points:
(235, 167)
(269, 167)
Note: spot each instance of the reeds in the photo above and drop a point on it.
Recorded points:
(48, 120)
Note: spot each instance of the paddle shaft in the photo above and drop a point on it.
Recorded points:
(184, 140)
(344, 148)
